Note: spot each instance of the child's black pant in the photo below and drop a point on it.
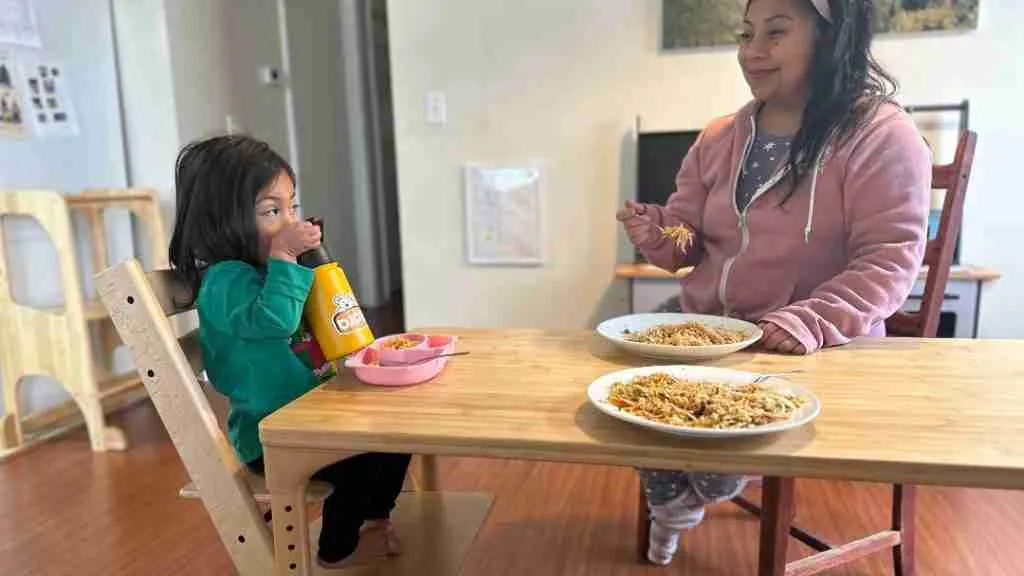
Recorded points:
(365, 488)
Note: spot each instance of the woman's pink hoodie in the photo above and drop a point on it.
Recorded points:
(828, 265)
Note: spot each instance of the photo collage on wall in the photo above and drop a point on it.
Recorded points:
(12, 108)
(48, 100)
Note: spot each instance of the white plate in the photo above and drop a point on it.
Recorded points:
(615, 329)
(598, 391)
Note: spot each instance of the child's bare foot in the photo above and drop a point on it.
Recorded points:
(383, 531)
(368, 551)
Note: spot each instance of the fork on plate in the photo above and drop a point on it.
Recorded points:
(765, 377)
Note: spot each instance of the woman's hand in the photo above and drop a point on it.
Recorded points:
(775, 339)
(630, 210)
(294, 239)
(639, 226)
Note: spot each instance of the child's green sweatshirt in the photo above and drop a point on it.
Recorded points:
(247, 317)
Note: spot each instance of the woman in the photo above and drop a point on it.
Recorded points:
(807, 206)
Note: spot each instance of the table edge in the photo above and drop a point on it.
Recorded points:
(792, 466)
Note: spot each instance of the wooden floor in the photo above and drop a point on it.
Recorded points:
(67, 511)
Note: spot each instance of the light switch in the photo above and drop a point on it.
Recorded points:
(437, 108)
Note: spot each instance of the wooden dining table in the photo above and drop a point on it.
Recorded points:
(936, 411)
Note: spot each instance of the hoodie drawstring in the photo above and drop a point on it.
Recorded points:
(810, 205)
(814, 188)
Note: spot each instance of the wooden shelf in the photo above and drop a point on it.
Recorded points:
(73, 351)
(104, 200)
(115, 391)
(975, 273)
(115, 384)
(650, 272)
(92, 309)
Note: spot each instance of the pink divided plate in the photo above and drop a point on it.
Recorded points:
(416, 347)
(367, 363)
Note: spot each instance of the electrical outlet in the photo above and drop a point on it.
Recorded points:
(437, 108)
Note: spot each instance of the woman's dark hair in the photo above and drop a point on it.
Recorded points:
(846, 83)
(217, 181)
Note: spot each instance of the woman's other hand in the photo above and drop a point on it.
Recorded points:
(775, 339)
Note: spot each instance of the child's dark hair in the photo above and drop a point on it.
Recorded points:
(217, 181)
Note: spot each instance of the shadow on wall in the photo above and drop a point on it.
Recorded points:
(615, 300)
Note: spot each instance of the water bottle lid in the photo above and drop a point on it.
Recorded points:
(317, 256)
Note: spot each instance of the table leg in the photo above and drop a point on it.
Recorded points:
(288, 471)
(776, 518)
(428, 472)
(904, 504)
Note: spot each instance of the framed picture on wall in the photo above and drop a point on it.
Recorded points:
(696, 23)
(504, 214)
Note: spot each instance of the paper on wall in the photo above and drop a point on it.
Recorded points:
(48, 98)
(18, 23)
(504, 219)
(12, 104)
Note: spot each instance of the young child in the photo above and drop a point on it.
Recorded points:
(236, 240)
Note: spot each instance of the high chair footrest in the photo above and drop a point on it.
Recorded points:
(316, 492)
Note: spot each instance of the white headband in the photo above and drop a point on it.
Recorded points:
(822, 7)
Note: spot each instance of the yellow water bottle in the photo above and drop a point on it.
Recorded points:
(332, 312)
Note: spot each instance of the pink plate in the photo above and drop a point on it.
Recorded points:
(367, 368)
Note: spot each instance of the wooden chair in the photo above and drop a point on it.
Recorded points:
(139, 305)
(777, 499)
(938, 256)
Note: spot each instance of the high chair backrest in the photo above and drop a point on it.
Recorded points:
(139, 306)
(938, 255)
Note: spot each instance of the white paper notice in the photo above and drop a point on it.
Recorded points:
(18, 23)
(504, 220)
(49, 99)
(12, 103)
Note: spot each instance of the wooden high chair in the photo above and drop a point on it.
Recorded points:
(139, 306)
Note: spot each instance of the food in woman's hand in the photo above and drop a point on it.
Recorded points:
(685, 334)
(699, 404)
(682, 236)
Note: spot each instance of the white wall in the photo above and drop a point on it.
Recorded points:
(147, 87)
(333, 124)
(216, 49)
(188, 65)
(314, 46)
(78, 35)
(563, 80)
(192, 64)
